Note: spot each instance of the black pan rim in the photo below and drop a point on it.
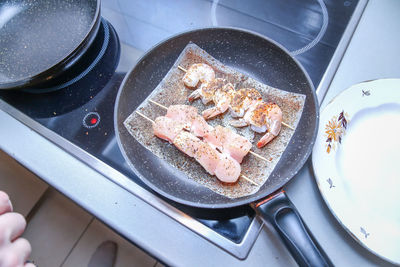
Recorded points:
(71, 57)
(237, 201)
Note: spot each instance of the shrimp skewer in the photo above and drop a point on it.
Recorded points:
(237, 107)
(222, 100)
(262, 117)
(242, 100)
(246, 103)
(207, 92)
(220, 137)
(210, 88)
(224, 167)
(200, 72)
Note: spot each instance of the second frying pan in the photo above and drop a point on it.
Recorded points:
(40, 39)
(263, 60)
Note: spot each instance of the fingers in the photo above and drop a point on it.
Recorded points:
(14, 251)
(22, 248)
(15, 254)
(12, 225)
(5, 203)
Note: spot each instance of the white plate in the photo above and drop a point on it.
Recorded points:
(356, 160)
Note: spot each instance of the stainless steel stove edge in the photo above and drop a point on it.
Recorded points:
(239, 250)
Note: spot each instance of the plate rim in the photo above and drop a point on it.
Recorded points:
(319, 179)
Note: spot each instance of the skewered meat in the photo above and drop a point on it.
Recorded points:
(230, 142)
(166, 128)
(214, 162)
(219, 137)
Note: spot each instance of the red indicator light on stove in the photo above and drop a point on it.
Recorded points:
(91, 120)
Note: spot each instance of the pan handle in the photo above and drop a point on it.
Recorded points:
(279, 211)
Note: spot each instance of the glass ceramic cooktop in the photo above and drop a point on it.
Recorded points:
(81, 111)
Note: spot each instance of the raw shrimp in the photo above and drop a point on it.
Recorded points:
(206, 92)
(199, 72)
(274, 121)
(222, 99)
(242, 100)
(262, 117)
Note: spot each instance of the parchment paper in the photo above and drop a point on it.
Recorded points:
(172, 91)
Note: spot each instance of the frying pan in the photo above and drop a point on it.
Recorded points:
(246, 52)
(40, 39)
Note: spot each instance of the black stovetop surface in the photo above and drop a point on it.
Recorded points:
(82, 112)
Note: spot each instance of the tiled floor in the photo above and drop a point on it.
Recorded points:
(61, 233)
(23, 187)
(96, 234)
(60, 224)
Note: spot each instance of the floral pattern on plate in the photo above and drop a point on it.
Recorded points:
(335, 129)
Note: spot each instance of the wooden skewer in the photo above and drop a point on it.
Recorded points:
(258, 156)
(144, 116)
(158, 104)
(241, 175)
(182, 69)
(287, 125)
(284, 124)
(249, 180)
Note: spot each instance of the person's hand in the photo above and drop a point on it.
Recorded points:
(14, 250)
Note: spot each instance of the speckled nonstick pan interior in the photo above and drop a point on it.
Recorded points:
(263, 60)
(39, 39)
